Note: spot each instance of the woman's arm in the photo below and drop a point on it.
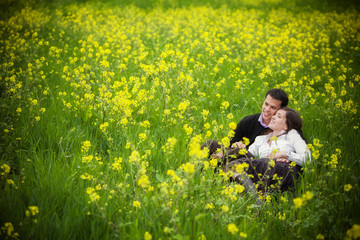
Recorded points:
(254, 148)
(302, 153)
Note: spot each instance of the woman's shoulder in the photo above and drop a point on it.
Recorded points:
(293, 133)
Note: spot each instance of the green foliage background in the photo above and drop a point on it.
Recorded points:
(141, 81)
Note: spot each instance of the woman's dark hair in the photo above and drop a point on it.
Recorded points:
(293, 119)
(280, 95)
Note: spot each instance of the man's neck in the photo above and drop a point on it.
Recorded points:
(266, 122)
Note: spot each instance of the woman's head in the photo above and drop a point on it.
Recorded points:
(286, 119)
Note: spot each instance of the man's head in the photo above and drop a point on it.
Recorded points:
(274, 99)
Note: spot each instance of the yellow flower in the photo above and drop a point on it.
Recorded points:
(136, 204)
(225, 105)
(225, 141)
(134, 157)
(230, 116)
(117, 164)
(308, 196)
(10, 182)
(142, 136)
(9, 229)
(213, 162)
(169, 145)
(170, 173)
(34, 210)
(5, 168)
(232, 125)
(202, 237)
(183, 105)
(298, 202)
(204, 113)
(143, 181)
(232, 228)
(320, 237)
(92, 194)
(147, 236)
(347, 187)
(104, 126)
(189, 168)
(145, 123)
(225, 208)
(246, 141)
(188, 129)
(239, 188)
(87, 158)
(243, 235)
(272, 163)
(85, 146)
(209, 206)
(240, 168)
(195, 148)
(353, 232)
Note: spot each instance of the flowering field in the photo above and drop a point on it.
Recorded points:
(104, 108)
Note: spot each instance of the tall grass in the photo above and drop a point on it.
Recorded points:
(104, 108)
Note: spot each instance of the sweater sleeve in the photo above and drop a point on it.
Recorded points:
(248, 127)
(302, 153)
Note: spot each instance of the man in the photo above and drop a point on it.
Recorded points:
(254, 125)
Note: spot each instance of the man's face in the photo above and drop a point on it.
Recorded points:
(269, 108)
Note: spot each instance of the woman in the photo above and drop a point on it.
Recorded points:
(279, 155)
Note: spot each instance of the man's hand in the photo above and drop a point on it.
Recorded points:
(239, 145)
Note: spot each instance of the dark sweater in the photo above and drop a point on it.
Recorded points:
(248, 127)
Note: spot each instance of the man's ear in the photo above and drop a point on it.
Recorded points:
(285, 128)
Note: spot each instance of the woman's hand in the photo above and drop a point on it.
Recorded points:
(279, 156)
(284, 160)
(282, 157)
(239, 145)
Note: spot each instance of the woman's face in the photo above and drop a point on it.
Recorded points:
(278, 121)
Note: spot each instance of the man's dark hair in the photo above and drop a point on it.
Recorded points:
(280, 95)
(293, 119)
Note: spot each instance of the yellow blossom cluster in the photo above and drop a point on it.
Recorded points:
(301, 201)
(9, 231)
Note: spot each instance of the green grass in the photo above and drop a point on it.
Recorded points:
(97, 72)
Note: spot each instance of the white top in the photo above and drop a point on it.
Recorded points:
(292, 143)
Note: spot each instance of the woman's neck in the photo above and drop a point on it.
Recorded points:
(276, 133)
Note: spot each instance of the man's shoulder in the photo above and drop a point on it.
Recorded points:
(253, 117)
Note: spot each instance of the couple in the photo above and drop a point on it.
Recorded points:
(277, 148)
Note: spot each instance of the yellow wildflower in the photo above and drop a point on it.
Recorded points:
(298, 202)
(136, 204)
(5, 169)
(232, 228)
(225, 208)
(347, 187)
(353, 232)
(320, 237)
(189, 168)
(147, 236)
